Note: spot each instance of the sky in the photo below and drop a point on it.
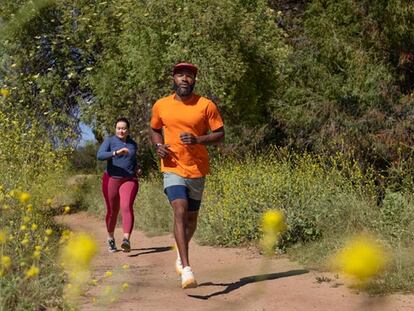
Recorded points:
(87, 134)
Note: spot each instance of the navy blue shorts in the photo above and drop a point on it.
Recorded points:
(190, 189)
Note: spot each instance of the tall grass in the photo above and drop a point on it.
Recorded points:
(31, 241)
(319, 196)
(325, 201)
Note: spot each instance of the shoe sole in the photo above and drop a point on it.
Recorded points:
(126, 248)
(189, 284)
(112, 250)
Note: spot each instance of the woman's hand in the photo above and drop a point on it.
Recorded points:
(122, 151)
(138, 172)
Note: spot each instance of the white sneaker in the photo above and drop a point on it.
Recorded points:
(178, 266)
(187, 278)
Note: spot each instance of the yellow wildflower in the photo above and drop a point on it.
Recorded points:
(26, 219)
(24, 197)
(36, 254)
(94, 282)
(108, 274)
(29, 207)
(49, 201)
(48, 231)
(125, 286)
(5, 262)
(23, 227)
(4, 92)
(79, 251)
(32, 272)
(361, 258)
(273, 221)
(25, 241)
(38, 248)
(273, 224)
(66, 209)
(34, 227)
(65, 236)
(125, 267)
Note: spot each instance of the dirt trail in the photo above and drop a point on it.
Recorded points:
(229, 279)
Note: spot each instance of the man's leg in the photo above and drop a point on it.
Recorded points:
(180, 207)
(182, 232)
(191, 225)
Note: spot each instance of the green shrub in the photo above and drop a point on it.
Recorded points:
(317, 195)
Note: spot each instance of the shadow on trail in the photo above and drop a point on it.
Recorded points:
(150, 250)
(246, 280)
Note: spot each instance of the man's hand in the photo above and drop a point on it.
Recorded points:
(188, 138)
(162, 150)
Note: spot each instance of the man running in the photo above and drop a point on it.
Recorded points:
(182, 124)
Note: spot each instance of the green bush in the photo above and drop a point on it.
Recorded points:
(317, 195)
(325, 199)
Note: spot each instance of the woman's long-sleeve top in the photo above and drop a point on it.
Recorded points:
(124, 165)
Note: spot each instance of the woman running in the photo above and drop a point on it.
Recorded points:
(119, 181)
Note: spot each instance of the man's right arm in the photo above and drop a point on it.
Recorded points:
(158, 142)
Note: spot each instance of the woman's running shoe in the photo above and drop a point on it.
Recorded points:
(111, 246)
(126, 246)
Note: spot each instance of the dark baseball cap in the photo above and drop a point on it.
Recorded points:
(187, 66)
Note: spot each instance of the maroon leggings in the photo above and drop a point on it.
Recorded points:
(119, 193)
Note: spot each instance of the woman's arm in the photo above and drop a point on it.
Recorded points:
(104, 152)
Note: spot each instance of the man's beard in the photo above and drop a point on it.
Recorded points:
(183, 92)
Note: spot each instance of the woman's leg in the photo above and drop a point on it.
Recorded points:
(113, 200)
(105, 181)
(127, 193)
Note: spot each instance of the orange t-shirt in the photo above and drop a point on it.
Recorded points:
(197, 116)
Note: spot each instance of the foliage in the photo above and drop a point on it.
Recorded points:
(325, 200)
(237, 47)
(33, 280)
(320, 75)
(349, 85)
(303, 186)
(35, 66)
(83, 159)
